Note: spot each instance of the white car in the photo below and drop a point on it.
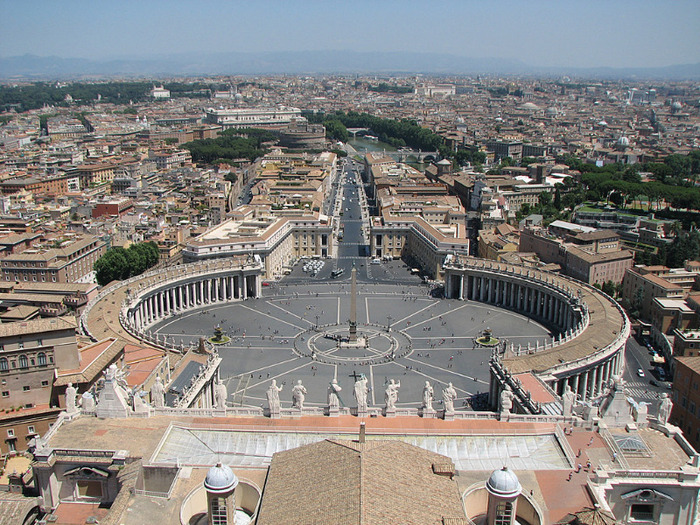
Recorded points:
(640, 372)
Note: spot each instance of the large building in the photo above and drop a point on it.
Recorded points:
(275, 240)
(252, 117)
(591, 257)
(69, 259)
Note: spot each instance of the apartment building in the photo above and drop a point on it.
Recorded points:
(642, 284)
(686, 397)
(68, 259)
(592, 257)
(504, 238)
(31, 353)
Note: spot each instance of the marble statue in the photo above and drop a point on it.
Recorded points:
(158, 393)
(665, 405)
(391, 394)
(568, 401)
(273, 396)
(360, 393)
(428, 395)
(88, 402)
(220, 394)
(506, 400)
(298, 395)
(140, 405)
(71, 394)
(333, 389)
(449, 394)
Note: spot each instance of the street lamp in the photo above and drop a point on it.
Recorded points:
(388, 323)
(317, 316)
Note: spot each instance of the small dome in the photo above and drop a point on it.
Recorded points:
(220, 479)
(623, 141)
(677, 105)
(551, 111)
(444, 162)
(602, 123)
(530, 106)
(504, 483)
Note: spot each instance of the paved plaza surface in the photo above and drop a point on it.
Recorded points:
(295, 331)
(289, 335)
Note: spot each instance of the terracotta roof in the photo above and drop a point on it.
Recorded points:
(375, 482)
(14, 508)
(93, 360)
(38, 326)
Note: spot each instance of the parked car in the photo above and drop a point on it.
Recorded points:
(640, 372)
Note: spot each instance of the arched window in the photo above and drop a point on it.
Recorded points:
(41, 357)
(23, 362)
(3, 364)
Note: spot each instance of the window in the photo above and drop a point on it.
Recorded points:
(40, 342)
(3, 364)
(45, 383)
(504, 511)
(642, 511)
(26, 388)
(20, 345)
(10, 432)
(41, 357)
(23, 361)
(218, 511)
(30, 429)
(5, 393)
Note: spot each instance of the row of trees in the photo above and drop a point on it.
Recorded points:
(231, 145)
(383, 87)
(398, 133)
(40, 94)
(118, 263)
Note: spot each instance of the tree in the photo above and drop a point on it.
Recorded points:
(609, 288)
(118, 264)
(545, 199)
(557, 197)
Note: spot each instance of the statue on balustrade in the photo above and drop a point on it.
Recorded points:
(273, 396)
(298, 395)
(391, 394)
(665, 406)
(333, 389)
(449, 394)
(428, 396)
(158, 393)
(506, 400)
(220, 394)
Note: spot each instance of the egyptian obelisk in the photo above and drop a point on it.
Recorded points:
(353, 306)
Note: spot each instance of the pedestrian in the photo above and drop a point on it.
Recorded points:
(579, 453)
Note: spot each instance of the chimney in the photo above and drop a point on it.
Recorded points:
(362, 432)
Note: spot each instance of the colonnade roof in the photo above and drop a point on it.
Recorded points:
(606, 323)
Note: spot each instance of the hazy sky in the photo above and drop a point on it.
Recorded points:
(539, 32)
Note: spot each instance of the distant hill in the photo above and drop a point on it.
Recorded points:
(33, 67)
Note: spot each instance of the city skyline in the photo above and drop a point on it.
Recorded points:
(538, 34)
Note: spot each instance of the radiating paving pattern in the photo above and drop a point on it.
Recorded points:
(187, 446)
(276, 337)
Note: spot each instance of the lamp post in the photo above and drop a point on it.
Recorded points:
(388, 323)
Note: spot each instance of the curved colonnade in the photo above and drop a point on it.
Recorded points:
(156, 295)
(592, 328)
